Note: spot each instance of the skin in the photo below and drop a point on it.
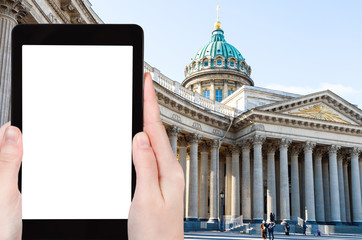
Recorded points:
(157, 207)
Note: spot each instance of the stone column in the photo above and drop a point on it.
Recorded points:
(258, 193)
(245, 181)
(204, 172)
(172, 133)
(309, 183)
(342, 202)
(10, 11)
(326, 195)
(228, 183)
(333, 183)
(284, 181)
(356, 188)
(214, 195)
(318, 187)
(182, 160)
(271, 190)
(212, 89)
(235, 181)
(294, 175)
(225, 90)
(346, 191)
(193, 205)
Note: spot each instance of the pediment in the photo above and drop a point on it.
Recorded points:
(324, 105)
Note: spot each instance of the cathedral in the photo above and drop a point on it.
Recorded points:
(246, 151)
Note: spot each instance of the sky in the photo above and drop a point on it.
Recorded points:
(294, 46)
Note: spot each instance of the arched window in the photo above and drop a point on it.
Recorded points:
(219, 62)
(206, 94)
(206, 63)
(232, 64)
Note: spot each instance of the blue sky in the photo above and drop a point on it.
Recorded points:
(295, 46)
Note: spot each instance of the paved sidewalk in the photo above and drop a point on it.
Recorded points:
(235, 236)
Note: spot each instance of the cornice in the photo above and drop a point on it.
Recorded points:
(181, 106)
(257, 116)
(326, 97)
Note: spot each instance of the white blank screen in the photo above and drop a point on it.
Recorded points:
(77, 130)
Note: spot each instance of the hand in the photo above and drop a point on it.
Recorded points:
(11, 152)
(157, 208)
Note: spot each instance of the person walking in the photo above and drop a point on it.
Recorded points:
(286, 228)
(271, 226)
(263, 229)
(304, 228)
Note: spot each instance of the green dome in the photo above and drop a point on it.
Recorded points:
(218, 47)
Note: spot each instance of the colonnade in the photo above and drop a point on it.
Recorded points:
(294, 179)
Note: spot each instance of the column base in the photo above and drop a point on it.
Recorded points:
(213, 220)
(257, 220)
(336, 222)
(192, 219)
(357, 223)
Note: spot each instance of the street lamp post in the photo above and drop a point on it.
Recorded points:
(222, 211)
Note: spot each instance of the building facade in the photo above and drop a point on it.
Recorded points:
(297, 156)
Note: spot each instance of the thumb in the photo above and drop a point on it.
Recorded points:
(11, 152)
(145, 165)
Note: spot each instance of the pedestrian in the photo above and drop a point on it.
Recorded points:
(318, 232)
(286, 228)
(263, 229)
(304, 228)
(272, 217)
(271, 230)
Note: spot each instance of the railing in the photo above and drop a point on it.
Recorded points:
(232, 223)
(191, 96)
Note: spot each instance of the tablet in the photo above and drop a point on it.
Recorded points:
(77, 97)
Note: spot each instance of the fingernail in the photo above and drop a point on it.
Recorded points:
(143, 141)
(11, 135)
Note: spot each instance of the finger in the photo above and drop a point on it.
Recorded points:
(156, 131)
(146, 167)
(11, 152)
(3, 128)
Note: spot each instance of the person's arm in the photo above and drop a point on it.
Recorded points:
(157, 207)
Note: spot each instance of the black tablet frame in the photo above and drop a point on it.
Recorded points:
(77, 34)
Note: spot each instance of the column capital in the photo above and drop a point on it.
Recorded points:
(271, 147)
(227, 152)
(173, 131)
(295, 149)
(193, 138)
(284, 143)
(213, 143)
(245, 145)
(182, 141)
(258, 140)
(204, 147)
(14, 9)
(355, 151)
(319, 152)
(235, 148)
(332, 149)
(308, 146)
